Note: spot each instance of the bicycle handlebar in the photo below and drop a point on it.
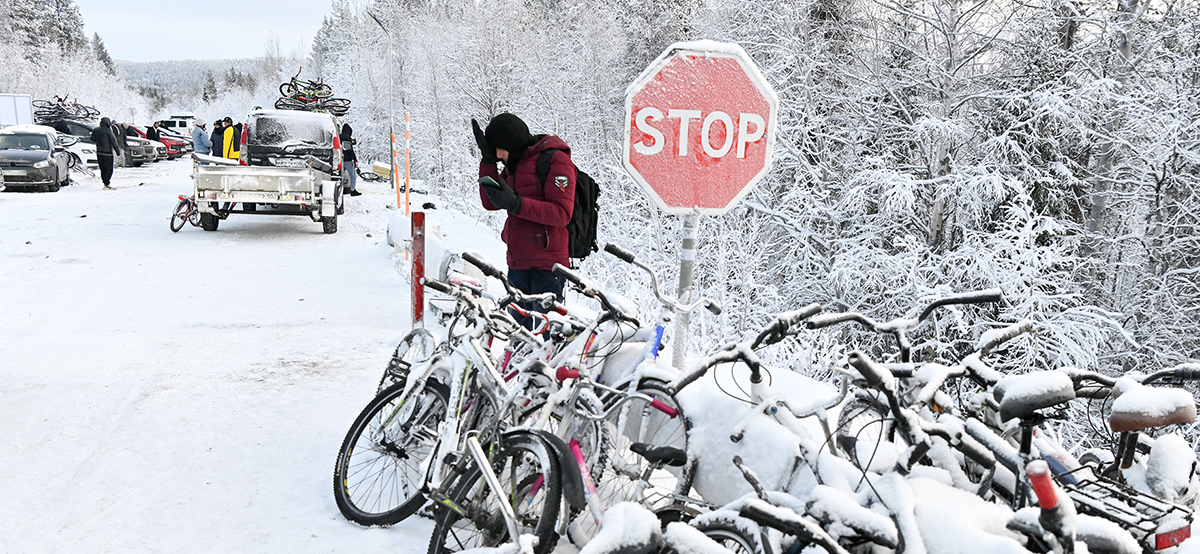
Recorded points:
(744, 351)
(992, 339)
(589, 290)
(487, 269)
(673, 303)
(546, 300)
(878, 376)
(900, 327)
(437, 285)
(621, 253)
(976, 297)
(782, 324)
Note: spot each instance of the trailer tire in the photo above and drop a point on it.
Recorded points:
(329, 224)
(209, 222)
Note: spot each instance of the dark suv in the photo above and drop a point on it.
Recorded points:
(290, 138)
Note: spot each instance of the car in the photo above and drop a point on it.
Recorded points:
(179, 123)
(171, 147)
(287, 138)
(32, 158)
(138, 151)
(82, 153)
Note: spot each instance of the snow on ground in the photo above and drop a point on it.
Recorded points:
(187, 392)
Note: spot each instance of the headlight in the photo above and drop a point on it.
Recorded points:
(42, 164)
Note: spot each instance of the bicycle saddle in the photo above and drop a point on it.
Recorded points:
(1022, 395)
(666, 455)
(1140, 407)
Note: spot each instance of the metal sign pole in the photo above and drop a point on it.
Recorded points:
(687, 267)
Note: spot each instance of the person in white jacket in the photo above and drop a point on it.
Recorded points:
(200, 141)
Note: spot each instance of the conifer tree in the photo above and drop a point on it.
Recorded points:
(101, 54)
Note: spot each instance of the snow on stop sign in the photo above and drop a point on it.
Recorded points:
(699, 127)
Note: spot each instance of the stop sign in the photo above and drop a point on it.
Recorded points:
(699, 127)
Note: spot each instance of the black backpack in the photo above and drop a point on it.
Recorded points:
(581, 230)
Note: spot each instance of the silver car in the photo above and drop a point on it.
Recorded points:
(32, 158)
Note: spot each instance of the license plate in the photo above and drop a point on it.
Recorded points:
(287, 162)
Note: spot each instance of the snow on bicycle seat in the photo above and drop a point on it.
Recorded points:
(1140, 407)
(1022, 395)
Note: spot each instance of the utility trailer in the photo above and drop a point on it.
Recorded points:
(225, 187)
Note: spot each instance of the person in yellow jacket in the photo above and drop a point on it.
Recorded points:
(232, 141)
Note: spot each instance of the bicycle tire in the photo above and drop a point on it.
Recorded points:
(194, 217)
(532, 481)
(287, 89)
(288, 104)
(863, 428)
(42, 104)
(377, 478)
(646, 424)
(416, 346)
(180, 215)
(740, 536)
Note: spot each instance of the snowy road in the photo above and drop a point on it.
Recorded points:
(186, 392)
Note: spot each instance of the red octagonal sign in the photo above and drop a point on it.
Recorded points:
(699, 127)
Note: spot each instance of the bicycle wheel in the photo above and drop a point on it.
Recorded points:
(531, 483)
(416, 346)
(180, 215)
(639, 421)
(377, 479)
(738, 536)
(194, 217)
(287, 89)
(865, 431)
(289, 104)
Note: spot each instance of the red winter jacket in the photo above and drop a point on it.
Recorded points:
(537, 235)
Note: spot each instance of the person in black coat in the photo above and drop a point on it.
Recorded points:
(349, 158)
(107, 148)
(152, 132)
(218, 139)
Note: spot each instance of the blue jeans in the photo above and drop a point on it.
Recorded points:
(535, 281)
(353, 176)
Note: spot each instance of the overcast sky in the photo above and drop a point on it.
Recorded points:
(155, 30)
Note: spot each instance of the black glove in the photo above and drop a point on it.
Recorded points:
(504, 197)
(489, 153)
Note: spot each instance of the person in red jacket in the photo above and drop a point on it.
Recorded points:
(538, 212)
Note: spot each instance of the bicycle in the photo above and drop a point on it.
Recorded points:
(307, 88)
(424, 440)
(185, 211)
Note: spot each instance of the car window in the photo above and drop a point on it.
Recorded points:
(24, 142)
(282, 130)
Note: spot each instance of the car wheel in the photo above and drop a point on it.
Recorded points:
(56, 184)
(209, 222)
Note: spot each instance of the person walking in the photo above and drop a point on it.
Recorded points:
(107, 148)
(218, 138)
(201, 144)
(538, 212)
(349, 158)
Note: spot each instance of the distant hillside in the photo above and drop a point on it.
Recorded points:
(181, 75)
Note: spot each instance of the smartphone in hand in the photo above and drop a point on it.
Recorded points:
(489, 182)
